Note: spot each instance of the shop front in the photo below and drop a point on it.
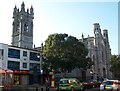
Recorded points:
(21, 77)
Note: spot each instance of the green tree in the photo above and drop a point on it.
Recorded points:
(115, 66)
(65, 52)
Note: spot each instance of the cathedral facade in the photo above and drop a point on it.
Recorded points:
(100, 53)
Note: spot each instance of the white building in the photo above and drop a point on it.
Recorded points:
(22, 61)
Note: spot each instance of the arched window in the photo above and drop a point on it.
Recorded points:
(26, 27)
(104, 72)
(18, 27)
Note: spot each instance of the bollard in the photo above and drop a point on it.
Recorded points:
(47, 88)
(41, 89)
(36, 88)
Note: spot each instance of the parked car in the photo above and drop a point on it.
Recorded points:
(87, 84)
(110, 85)
(91, 84)
(70, 84)
(96, 83)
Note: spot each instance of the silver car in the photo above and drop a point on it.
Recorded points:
(110, 85)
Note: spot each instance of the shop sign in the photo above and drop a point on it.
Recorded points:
(21, 71)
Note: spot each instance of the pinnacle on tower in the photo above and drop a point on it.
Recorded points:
(82, 36)
(88, 36)
(31, 9)
(32, 12)
(23, 7)
(15, 9)
(27, 10)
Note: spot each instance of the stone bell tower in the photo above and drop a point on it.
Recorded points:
(22, 35)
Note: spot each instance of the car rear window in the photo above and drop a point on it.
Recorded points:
(108, 83)
(64, 82)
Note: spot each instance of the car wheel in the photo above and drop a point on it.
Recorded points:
(47, 88)
(81, 89)
(58, 89)
(93, 86)
(72, 89)
(117, 90)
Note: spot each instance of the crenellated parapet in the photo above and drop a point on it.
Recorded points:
(22, 11)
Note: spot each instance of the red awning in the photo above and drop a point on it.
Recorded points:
(20, 71)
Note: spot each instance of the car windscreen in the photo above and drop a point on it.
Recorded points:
(108, 83)
(64, 82)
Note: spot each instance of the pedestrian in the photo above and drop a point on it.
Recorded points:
(47, 83)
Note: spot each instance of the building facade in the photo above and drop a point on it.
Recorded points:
(100, 53)
(25, 63)
(22, 35)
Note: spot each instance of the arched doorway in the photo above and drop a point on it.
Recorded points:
(104, 73)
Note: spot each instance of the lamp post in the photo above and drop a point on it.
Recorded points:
(41, 71)
(41, 61)
(40, 58)
(91, 72)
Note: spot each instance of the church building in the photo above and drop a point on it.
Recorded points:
(99, 51)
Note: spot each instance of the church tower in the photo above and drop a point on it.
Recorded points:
(22, 35)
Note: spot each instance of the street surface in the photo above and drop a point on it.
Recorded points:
(39, 89)
(94, 89)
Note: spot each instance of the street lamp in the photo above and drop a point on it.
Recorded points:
(40, 56)
(41, 59)
(91, 72)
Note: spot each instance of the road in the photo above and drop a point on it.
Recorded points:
(94, 89)
(43, 89)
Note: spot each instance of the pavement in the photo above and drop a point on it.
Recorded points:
(34, 87)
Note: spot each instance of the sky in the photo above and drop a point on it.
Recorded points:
(73, 17)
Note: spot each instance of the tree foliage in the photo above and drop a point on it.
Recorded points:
(115, 66)
(65, 52)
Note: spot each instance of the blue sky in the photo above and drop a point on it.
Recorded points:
(75, 18)
(71, 17)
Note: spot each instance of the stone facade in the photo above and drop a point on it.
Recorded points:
(22, 35)
(100, 53)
